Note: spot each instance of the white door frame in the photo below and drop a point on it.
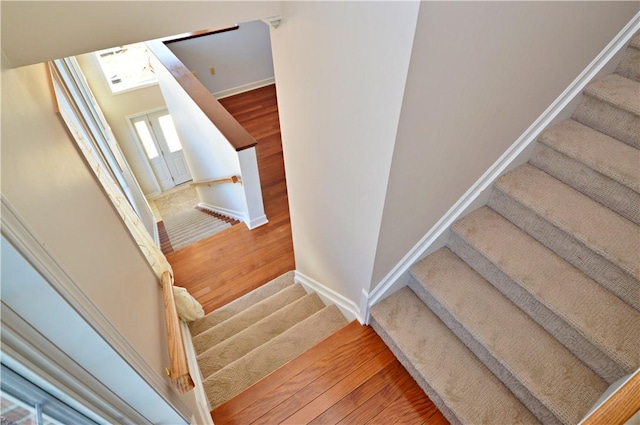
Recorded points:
(165, 182)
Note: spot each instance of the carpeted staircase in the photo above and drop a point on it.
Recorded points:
(191, 225)
(532, 309)
(242, 342)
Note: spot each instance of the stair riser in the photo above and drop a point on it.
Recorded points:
(260, 333)
(581, 177)
(178, 243)
(265, 359)
(629, 67)
(188, 230)
(429, 391)
(565, 245)
(216, 317)
(254, 314)
(591, 355)
(607, 119)
(501, 372)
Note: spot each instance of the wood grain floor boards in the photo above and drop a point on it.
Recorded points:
(319, 378)
(351, 377)
(382, 399)
(360, 395)
(267, 393)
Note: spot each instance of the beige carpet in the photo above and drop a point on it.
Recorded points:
(251, 337)
(174, 201)
(533, 309)
(184, 223)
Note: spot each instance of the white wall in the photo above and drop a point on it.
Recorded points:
(241, 58)
(480, 74)
(340, 73)
(116, 108)
(209, 154)
(36, 31)
(48, 183)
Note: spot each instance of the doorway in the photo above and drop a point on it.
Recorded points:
(159, 139)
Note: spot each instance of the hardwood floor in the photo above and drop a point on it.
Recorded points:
(231, 263)
(351, 377)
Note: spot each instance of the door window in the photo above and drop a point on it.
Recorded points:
(147, 141)
(170, 133)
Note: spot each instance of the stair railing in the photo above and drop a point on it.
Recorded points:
(620, 406)
(232, 179)
(178, 369)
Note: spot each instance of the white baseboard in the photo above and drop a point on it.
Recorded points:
(202, 402)
(243, 88)
(518, 152)
(257, 222)
(350, 310)
(236, 215)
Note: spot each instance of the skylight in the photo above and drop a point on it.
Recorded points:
(127, 67)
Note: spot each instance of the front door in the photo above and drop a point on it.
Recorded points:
(161, 143)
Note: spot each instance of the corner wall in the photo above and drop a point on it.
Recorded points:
(340, 70)
(480, 74)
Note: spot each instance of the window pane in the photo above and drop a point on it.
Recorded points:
(170, 133)
(146, 139)
(126, 67)
(18, 412)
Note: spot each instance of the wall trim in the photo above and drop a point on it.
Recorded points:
(244, 88)
(512, 154)
(329, 296)
(257, 222)
(18, 233)
(237, 215)
(201, 397)
(28, 352)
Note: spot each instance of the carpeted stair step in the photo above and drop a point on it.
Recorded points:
(248, 317)
(233, 348)
(595, 164)
(612, 106)
(239, 375)
(190, 226)
(443, 366)
(240, 304)
(629, 66)
(197, 233)
(593, 238)
(185, 225)
(553, 383)
(598, 327)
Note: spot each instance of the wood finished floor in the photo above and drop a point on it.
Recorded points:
(351, 377)
(221, 268)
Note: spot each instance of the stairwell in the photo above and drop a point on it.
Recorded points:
(245, 340)
(532, 309)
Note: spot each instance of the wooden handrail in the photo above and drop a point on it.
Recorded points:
(618, 408)
(197, 34)
(231, 129)
(179, 367)
(232, 179)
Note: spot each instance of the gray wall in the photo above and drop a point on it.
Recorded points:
(340, 74)
(241, 58)
(480, 74)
